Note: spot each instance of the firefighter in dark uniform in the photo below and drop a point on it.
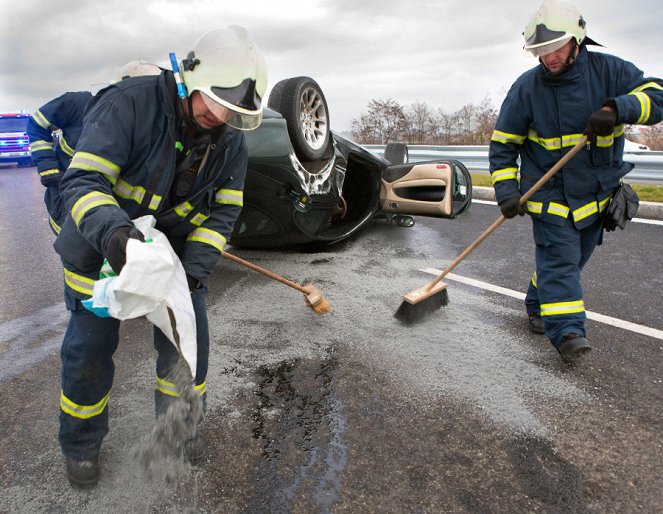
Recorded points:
(63, 117)
(546, 112)
(54, 131)
(179, 154)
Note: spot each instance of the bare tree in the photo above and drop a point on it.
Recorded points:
(654, 137)
(419, 123)
(385, 122)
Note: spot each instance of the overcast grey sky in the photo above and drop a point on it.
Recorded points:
(447, 53)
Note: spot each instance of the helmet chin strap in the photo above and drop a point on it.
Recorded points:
(569, 63)
(190, 120)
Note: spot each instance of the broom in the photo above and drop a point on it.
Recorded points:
(429, 298)
(314, 296)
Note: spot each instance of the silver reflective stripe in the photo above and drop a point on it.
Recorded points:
(90, 162)
(125, 190)
(38, 146)
(88, 202)
(207, 236)
(82, 411)
(78, 282)
(230, 196)
(183, 209)
(165, 387)
(41, 120)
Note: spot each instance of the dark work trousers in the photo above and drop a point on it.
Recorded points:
(87, 372)
(561, 253)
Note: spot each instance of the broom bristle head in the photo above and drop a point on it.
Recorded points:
(316, 301)
(416, 306)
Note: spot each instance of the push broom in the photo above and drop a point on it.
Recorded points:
(429, 298)
(313, 295)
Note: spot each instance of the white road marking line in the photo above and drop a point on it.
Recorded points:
(636, 220)
(615, 322)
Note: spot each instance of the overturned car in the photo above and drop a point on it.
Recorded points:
(307, 185)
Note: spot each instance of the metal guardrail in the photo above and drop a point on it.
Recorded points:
(648, 165)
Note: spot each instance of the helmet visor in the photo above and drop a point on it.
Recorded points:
(224, 113)
(548, 48)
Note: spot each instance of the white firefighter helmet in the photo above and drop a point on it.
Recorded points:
(553, 25)
(136, 69)
(228, 69)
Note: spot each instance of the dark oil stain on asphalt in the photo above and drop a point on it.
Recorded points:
(547, 477)
(300, 422)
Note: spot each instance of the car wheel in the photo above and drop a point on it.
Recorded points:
(396, 153)
(303, 105)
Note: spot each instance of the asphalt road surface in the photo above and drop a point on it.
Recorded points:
(351, 411)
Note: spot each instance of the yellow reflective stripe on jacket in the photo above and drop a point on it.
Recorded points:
(554, 143)
(54, 225)
(198, 219)
(645, 106)
(90, 162)
(125, 190)
(170, 389)
(230, 196)
(534, 207)
(504, 174)
(558, 209)
(78, 282)
(88, 202)
(585, 211)
(504, 137)
(154, 202)
(207, 236)
(38, 146)
(534, 279)
(604, 203)
(557, 309)
(41, 120)
(46, 173)
(65, 146)
(83, 411)
(183, 209)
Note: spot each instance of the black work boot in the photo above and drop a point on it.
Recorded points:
(573, 346)
(195, 449)
(83, 473)
(536, 323)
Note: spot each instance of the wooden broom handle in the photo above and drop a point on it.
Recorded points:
(264, 272)
(565, 158)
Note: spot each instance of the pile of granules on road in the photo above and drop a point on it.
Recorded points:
(161, 452)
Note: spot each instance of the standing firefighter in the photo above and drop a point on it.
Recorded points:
(63, 116)
(546, 112)
(151, 145)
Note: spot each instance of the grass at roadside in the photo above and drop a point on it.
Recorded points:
(647, 193)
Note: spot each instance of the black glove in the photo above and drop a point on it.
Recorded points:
(116, 248)
(601, 123)
(511, 207)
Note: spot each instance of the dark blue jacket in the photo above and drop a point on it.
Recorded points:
(63, 114)
(544, 115)
(124, 167)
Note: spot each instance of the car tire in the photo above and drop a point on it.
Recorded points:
(396, 153)
(303, 105)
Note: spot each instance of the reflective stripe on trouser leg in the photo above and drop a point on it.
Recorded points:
(87, 376)
(558, 258)
(532, 297)
(167, 356)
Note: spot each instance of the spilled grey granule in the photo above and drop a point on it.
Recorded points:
(160, 453)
